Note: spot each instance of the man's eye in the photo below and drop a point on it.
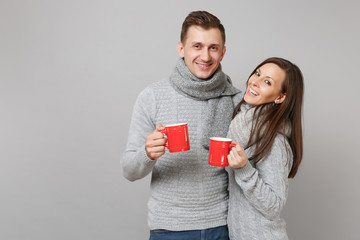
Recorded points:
(196, 46)
(214, 48)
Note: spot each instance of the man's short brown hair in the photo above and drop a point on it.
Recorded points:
(203, 19)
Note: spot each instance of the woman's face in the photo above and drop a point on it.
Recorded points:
(264, 86)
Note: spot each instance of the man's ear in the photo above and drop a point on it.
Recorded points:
(180, 48)
(223, 53)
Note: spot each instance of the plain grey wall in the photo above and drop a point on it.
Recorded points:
(70, 72)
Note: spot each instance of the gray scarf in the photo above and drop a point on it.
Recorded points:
(241, 125)
(217, 91)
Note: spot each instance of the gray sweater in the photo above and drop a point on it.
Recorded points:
(258, 194)
(186, 192)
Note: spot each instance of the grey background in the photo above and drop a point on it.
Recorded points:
(70, 72)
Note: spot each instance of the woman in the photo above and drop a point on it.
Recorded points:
(266, 129)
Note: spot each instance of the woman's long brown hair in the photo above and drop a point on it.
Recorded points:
(274, 117)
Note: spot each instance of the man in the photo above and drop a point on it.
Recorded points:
(188, 196)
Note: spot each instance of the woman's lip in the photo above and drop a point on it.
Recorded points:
(252, 92)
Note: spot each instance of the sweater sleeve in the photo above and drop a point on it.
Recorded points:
(135, 162)
(266, 186)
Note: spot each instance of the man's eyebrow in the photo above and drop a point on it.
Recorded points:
(215, 44)
(211, 44)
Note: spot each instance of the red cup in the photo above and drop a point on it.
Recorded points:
(177, 137)
(219, 150)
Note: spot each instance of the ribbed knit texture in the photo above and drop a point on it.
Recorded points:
(258, 194)
(186, 192)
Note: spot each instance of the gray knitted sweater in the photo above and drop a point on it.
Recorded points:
(258, 194)
(186, 192)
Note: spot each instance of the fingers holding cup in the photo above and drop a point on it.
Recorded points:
(237, 157)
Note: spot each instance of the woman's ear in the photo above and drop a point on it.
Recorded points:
(280, 99)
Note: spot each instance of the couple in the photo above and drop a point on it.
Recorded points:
(189, 198)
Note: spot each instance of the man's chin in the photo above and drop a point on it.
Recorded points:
(204, 75)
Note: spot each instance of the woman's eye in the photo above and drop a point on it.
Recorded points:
(268, 82)
(257, 73)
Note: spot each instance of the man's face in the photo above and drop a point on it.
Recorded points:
(202, 51)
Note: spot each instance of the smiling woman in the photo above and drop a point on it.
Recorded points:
(267, 132)
(266, 85)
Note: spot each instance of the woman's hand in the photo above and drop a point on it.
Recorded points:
(237, 157)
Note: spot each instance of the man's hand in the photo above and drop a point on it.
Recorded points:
(155, 143)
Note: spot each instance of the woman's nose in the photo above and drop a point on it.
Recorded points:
(254, 82)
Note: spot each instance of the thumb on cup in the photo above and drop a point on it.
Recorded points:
(160, 127)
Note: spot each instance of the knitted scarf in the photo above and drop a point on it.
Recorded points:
(241, 125)
(217, 91)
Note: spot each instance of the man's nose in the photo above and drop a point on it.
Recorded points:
(205, 56)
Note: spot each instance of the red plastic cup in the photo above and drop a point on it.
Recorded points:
(219, 150)
(177, 137)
